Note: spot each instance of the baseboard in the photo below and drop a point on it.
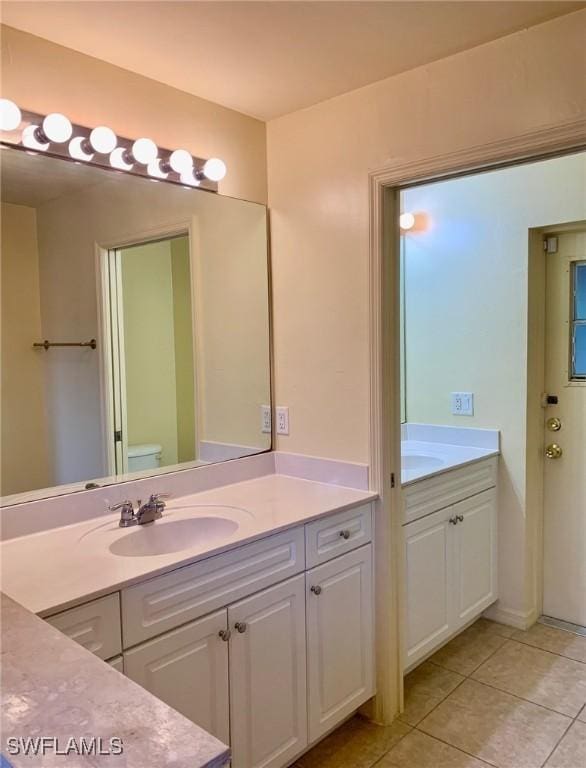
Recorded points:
(511, 616)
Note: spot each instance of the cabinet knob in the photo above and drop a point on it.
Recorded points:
(345, 534)
(316, 590)
(454, 520)
(240, 626)
(224, 635)
(460, 518)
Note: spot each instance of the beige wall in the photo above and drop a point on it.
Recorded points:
(24, 452)
(467, 308)
(149, 347)
(44, 77)
(318, 161)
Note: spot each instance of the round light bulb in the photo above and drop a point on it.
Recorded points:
(10, 116)
(189, 178)
(154, 169)
(181, 161)
(117, 160)
(144, 151)
(57, 128)
(76, 150)
(30, 140)
(103, 139)
(406, 221)
(214, 169)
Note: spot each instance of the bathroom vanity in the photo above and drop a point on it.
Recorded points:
(262, 634)
(450, 505)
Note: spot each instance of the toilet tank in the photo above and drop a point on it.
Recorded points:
(144, 456)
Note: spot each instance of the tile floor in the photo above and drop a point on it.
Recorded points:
(493, 696)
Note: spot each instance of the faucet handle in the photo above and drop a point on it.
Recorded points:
(126, 505)
(159, 496)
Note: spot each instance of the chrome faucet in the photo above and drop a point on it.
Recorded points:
(146, 513)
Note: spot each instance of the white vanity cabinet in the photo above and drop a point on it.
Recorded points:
(450, 560)
(267, 646)
(188, 669)
(339, 597)
(268, 676)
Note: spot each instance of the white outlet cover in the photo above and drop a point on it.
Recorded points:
(462, 403)
(265, 419)
(282, 420)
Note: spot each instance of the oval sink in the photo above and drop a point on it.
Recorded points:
(161, 538)
(413, 461)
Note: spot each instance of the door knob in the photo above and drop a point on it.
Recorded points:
(453, 520)
(553, 451)
(554, 424)
(316, 590)
(345, 534)
(224, 634)
(240, 626)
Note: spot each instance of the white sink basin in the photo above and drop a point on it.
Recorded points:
(163, 538)
(420, 461)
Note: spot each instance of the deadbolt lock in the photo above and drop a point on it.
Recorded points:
(553, 451)
(554, 424)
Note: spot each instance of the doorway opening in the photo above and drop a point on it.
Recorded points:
(152, 382)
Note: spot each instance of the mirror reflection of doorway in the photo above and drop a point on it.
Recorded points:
(153, 381)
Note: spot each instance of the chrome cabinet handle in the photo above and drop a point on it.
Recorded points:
(240, 626)
(316, 590)
(345, 534)
(224, 635)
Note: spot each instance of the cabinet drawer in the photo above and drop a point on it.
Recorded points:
(427, 496)
(94, 625)
(336, 534)
(163, 603)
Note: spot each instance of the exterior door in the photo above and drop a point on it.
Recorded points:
(268, 705)
(565, 432)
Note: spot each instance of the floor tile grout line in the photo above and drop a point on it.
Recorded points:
(459, 749)
(378, 759)
(559, 741)
(475, 668)
(439, 702)
(520, 698)
(547, 650)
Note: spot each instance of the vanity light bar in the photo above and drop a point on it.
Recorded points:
(56, 135)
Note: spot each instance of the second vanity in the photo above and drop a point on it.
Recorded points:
(450, 506)
(262, 634)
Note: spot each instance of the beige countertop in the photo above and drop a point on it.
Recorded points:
(54, 688)
(55, 569)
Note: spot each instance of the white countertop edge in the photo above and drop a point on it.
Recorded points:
(449, 468)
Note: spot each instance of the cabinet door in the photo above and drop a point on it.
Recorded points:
(268, 706)
(188, 669)
(340, 655)
(429, 568)
(475, 556)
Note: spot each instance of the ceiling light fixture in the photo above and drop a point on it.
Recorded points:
(406, 221)
(10, 115)
(77, 149)
(214, 169)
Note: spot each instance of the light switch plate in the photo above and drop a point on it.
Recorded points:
(282, 420)
(265, 419)
(463, 403)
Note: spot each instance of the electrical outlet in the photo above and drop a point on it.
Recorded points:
(463, 403)
(265, 419)
(282, 420)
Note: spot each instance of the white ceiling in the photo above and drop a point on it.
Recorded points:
(270, 58)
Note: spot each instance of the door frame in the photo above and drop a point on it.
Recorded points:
(103, 251)
(384, 328)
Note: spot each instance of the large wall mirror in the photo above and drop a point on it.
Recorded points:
(162, 292)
